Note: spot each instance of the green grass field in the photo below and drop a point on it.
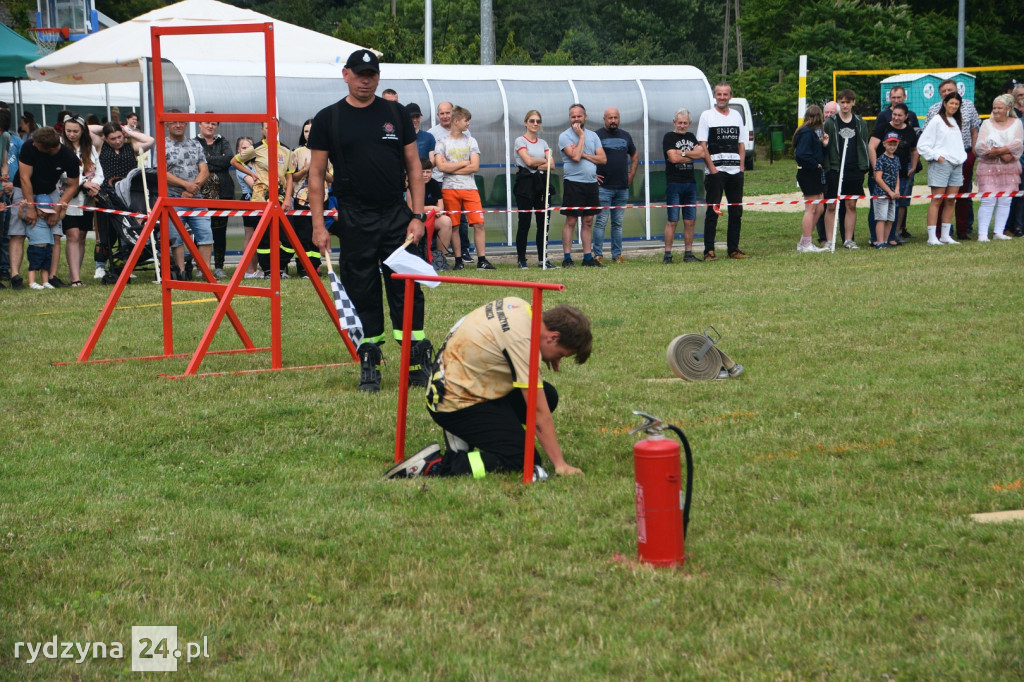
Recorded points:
(830, 534)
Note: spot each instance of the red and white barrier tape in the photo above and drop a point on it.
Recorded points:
(716, 207)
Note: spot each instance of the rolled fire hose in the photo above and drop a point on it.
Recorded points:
(696, 357)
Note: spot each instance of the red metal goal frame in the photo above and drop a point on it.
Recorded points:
(165, 215)
(531, 402)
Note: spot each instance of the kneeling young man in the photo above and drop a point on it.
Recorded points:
(479, 389)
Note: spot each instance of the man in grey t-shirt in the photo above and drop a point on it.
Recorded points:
(186, 173)
(583, 153)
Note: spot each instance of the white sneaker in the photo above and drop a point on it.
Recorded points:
(254, 275)
(1001, 236)
(827, 246)
(37, 285)
(948, 240)
(850, 244)
(413, 466)
(985, 239)
(100, 272)
(47, 285)
(809, 248)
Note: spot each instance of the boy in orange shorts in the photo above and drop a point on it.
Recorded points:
(458, 157)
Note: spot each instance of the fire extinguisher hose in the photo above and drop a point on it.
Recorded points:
(689, 474)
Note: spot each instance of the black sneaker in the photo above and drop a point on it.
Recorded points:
(666, 259)
(458, 265)
(484, 264)
(421, 361)
(522, 265)
(415, 464)
(58, 283)
(467, 258)
(5, 275)
(592, 263)
(546, 265)
(567, 263)
(688, 257)
(16, 283)
(369, 367)
(906, 235)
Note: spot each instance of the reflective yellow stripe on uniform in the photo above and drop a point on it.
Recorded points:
(476, 463)
(416, 335)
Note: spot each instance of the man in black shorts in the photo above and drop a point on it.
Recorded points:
(371, 143)
(480, 387)
(583, 152)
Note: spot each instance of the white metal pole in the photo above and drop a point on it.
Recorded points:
(428, 33)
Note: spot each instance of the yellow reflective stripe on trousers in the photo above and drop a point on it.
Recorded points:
(476, 463)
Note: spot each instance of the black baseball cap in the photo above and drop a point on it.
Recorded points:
(363, 60)
(413, 109)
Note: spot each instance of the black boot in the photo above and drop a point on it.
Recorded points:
(421, 363)
(369, 367)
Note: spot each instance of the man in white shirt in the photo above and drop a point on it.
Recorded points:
(721, 133)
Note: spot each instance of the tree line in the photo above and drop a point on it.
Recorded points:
(757, 51)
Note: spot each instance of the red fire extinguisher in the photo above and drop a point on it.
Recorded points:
(662, 510)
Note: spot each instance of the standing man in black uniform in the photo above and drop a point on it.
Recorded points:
(371, 143)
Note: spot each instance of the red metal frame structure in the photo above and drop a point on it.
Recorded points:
(531, 402)
(164, 214)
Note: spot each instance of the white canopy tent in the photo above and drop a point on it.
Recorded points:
(54, 96)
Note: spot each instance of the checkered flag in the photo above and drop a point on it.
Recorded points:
(343, 304)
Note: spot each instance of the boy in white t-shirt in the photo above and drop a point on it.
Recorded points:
(458, 157)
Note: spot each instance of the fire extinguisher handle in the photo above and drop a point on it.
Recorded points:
(689, 474)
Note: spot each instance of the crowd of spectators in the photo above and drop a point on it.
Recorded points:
(834, 151)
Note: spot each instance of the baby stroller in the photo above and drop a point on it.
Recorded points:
(122, 232)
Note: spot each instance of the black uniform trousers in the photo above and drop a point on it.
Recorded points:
(368, 236)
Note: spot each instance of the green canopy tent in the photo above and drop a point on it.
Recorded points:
(15, 53)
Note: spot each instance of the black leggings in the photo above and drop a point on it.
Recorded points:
(529, 193)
